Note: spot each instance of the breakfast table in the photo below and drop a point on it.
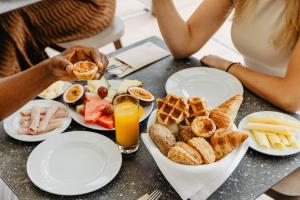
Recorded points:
(139, 174)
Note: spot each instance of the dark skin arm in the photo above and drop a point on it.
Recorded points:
(20, 88)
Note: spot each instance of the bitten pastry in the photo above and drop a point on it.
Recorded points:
(225, 141)
(203, 127)
(85, 70)
(184, 154)
(226, 113)
(162, 137)
(204, 148)
(185, 133)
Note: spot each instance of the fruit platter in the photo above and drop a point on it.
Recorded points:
(91, 105)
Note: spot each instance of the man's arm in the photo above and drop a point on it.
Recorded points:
(17, 90)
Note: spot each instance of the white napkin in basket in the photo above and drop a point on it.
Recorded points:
(195, 182)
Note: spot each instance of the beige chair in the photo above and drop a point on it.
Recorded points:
(288, 188)
(112, 34)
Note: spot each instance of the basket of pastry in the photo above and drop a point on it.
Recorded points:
(187, 132)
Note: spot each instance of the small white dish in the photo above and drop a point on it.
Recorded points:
(114, 84)
(213, 85)
(273, 152)
(65, 86)
(11, 123)
(74, 163)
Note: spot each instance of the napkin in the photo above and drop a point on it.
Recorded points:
(136, 58)
(195, 182)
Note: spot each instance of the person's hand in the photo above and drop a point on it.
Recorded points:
(61, 66)
(216, 62)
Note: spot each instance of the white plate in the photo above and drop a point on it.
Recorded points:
(74, 163)
(271, 151)
(152, 120)
(65, 87)
(215, 86)
(114, 84)
(11, 124)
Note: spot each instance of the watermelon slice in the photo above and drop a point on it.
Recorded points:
(94, 107)
(80, 109)
(106, 121)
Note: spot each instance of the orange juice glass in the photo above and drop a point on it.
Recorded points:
(126, 112)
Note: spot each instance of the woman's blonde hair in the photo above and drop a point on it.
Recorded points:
(289, 33)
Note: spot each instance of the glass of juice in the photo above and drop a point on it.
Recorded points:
(126, 112)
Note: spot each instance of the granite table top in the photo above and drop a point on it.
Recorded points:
(139, 174)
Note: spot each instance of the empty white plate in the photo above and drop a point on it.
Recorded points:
(11, 123)
(213, 85)
(271, 151)
(74, 163)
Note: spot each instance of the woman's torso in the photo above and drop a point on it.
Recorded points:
(253, 36)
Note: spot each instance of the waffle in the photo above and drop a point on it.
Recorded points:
(197, 107)
(171, 109)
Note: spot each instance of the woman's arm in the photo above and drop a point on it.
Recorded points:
(185, 38)
(283, 92)
(17, 90)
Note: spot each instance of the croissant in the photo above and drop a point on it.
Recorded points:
(226, 113)
(225, 141)
(183, 153)
(221, 119)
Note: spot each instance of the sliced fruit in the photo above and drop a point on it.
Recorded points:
(106, 121)
(140, 93)
(111, 94)
(94, 107)
(80, 109)
(127, 84)
(93, 85)
(74, 94)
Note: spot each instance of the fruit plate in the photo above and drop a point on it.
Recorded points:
(11, 124)
(194, 182)
(114, 84)
(213, 85)
(270, 151)
(74, 163)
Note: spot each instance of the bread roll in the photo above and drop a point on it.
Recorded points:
(162, 137)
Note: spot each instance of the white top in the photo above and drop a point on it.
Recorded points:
(253, 36)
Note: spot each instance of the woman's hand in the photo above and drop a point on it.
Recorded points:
(61, 66)
(216, 62)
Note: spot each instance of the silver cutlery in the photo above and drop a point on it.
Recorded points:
(155, 195)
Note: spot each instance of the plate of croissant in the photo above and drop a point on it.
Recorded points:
(188, 133)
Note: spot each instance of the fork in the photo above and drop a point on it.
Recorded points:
(155, 195)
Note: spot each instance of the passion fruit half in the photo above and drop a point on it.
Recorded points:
(143, 95)
(74, 94)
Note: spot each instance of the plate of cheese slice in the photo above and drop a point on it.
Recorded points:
(272, 133)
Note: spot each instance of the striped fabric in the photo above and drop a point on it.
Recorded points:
(25, 32)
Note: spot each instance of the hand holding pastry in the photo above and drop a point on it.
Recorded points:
(84, 60)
